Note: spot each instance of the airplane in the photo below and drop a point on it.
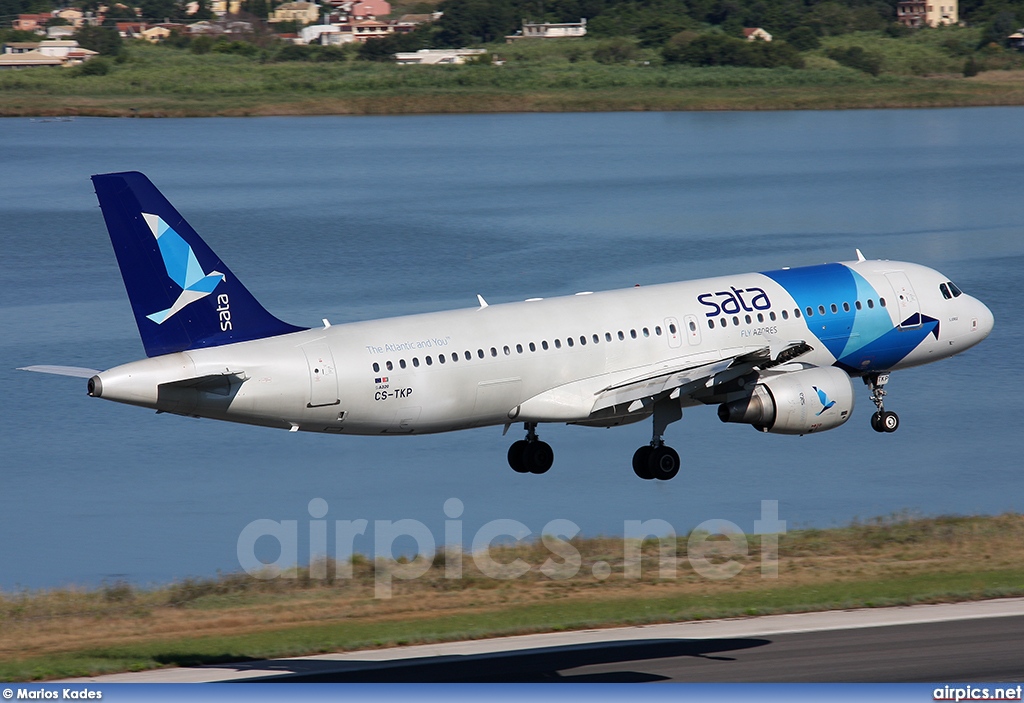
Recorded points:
(777, 350)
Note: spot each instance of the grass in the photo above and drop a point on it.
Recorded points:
(919, 71)
(895, 561)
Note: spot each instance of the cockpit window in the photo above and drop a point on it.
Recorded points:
(954, 290)
(945, 291)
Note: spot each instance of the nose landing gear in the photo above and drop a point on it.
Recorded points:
(530, 455)
(883, 420)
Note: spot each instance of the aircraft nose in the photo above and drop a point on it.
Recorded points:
(986, 320)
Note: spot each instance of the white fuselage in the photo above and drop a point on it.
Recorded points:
(536, 361)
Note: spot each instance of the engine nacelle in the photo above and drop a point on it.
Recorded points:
(800, 402)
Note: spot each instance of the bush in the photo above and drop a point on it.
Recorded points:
(856, 57)
(239, 48)
(295, 52)
(720, 50)
(615, 51)
(94, 67)
(201, 45)
(971, 67)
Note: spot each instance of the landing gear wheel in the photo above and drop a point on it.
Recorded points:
(516, 454)
(663, 463)
(876, 422)
(890, 421)
(538, 457)
(640, 460)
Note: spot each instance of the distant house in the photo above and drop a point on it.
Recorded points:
(157, 33)
(407, 23)
(74, 16)
(31, 22)
(300, 12)
(366, 30)
(130, 30)
(756, 34)
(433, 57)
(225, 7)
(1016, 40)
(215, 29)
(323, 34)
(549, 30)
(60, 32)
(367, 9)
(921, 13)
(44, 53)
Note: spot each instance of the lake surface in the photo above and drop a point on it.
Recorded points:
(355, 218)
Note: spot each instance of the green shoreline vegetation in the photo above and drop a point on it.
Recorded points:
(637, 55)
(895, 561)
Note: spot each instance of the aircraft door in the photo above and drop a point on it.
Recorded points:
(692, 330)
(908, 308)
(323, 378)
(673, 332)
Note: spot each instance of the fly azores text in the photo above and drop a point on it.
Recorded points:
(53, 694)
(734, 301)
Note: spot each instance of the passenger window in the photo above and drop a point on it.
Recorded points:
(796, 313)
(376, 367)
(494, 352)
(480, 353)
(881, 301)
(747, 318)
(544, 345)
(647, 332)
(821, 309)
(724, 322)
(871, 303)
(735, 320)
(857, 303)
(846, 307)
(711, 324)
(834, 309)
(390, 366)
(558, 344)
(440, 358)
(596, 339)
(533, 347)
(810, 311)
(415, 362)
(771, 315)
(519, 349)
(506, 350)
(785, 315)
(693, 326)
(632, 334)
(672, 328)
(401, 362)
(607, 336)
(657, 330)
(760, 317)
(568, 340)
(583, 341)
(621, 336)
(430, 362)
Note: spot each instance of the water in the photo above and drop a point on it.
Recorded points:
(354, 218)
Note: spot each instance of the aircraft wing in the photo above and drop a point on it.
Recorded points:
(695, 374)
(76, 371)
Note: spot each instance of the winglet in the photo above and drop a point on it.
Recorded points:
(183, 296)
(860, 257)
(480, 299)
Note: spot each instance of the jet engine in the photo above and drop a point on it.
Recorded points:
(799, 402)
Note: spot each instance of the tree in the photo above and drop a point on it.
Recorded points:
(105, 40)
(999, 29)
(803, 39)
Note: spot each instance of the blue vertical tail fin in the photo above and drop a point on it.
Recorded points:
(182, 294)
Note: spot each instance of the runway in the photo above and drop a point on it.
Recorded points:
(959, 642)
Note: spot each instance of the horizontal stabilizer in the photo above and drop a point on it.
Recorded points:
(76, 371)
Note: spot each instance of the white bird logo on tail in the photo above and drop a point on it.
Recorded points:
(182, 267)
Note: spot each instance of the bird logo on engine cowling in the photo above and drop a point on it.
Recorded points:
(823, 398)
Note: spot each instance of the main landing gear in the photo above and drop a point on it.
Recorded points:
(883, 420)
(530, 455)
(657, 460)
